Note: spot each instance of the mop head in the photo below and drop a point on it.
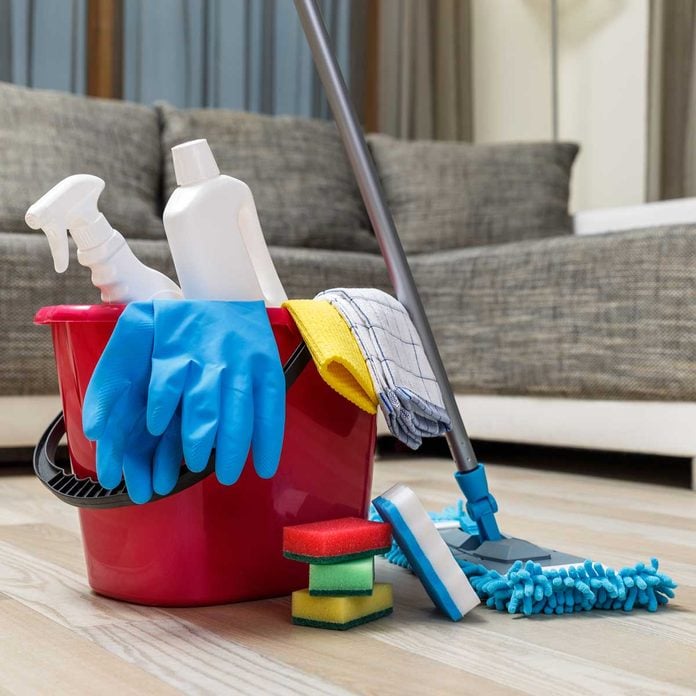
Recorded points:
(528, 589)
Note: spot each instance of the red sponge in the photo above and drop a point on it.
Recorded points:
(336, 541)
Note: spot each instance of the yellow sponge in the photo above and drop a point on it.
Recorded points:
(341, 613)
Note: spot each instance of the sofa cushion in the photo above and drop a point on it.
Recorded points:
(601, 316)
(447, 195)
(46, 136)
(302, 183)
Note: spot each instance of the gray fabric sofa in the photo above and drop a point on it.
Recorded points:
(538, 313)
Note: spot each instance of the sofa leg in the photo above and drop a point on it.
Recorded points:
(693, 474)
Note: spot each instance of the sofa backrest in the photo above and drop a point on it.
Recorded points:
(442, 195)
(448, 195)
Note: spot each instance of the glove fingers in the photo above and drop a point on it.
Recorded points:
(137, 465)
(109, 466)
(200, 410)
(164, 393)
(168, 458)
(269, 419)
(112, 444)
(114, 371)
(235, 429)
(98, 405)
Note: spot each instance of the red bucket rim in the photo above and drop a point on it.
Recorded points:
(64, 313)
(109, 313)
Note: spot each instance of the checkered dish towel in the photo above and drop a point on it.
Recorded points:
(408, 392)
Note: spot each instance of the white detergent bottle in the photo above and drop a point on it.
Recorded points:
(214, 233)
(119, 275)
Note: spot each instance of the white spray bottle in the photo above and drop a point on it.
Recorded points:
(214, 233)
(119, 275)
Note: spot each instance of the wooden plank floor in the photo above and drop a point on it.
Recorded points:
(58, 637)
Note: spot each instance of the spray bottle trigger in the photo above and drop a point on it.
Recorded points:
(58, 242)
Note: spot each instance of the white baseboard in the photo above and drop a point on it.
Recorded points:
(24, 418)
(650, 427)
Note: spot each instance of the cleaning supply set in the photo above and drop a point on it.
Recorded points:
(342, 592)
(225, 368)
(159, 384)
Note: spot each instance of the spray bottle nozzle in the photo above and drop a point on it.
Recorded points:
(71, 203)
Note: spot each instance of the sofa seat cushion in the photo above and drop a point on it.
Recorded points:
(447, 195)
(610, 316)
(28, 282)
(599, 317)
(303, 186)
(46, 136)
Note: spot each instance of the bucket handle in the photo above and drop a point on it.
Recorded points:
(87, 493)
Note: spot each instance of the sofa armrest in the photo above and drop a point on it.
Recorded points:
(680, 211)
(602, 316)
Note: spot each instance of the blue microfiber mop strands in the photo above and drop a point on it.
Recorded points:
(529, 589)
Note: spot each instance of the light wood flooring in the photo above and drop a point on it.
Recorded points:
(57, 637)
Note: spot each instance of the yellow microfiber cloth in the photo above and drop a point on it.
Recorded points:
(334, 350)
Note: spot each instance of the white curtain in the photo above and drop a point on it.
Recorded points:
(672, 107)
(424, 71)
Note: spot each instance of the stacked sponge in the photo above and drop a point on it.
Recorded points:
(342, 592)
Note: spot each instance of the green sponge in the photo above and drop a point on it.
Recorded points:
(342, 579)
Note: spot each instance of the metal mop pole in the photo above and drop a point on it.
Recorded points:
(471, 476)
(382, 221)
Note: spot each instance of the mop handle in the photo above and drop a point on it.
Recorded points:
(382, 221)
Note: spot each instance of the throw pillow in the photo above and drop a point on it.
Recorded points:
(447, 195)
(46, 136)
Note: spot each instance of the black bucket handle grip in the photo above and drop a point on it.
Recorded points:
(88, 493)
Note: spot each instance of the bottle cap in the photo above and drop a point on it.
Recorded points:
(194, 162)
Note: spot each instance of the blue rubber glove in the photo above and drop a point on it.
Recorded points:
(220, 362)
(114, 412)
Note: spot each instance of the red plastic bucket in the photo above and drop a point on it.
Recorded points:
(213, 544)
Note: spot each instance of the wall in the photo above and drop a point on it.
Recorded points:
(603, 87)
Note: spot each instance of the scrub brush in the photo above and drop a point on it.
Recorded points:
(427, 552)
